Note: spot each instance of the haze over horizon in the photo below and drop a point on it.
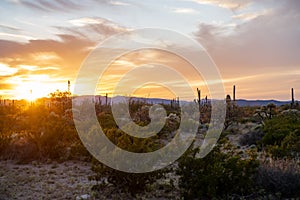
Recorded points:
(255, 44)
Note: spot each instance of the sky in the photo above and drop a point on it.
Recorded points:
(254, 44)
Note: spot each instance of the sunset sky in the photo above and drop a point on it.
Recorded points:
(255, 44)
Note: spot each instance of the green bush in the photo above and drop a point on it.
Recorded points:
(129, 183)
(282, 135)
(279, 127)
(222, 173)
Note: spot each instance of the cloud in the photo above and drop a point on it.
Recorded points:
(6, 70)
(8, 27)
(69, 52)
(229, 4)
(269, 41)
(250, 16)
(267, 45)
(49, 6)
(37, 68)
(97, 24)
(119, 3)
(59, 58)
(86, 21)
(92, 28)
(23, 57)
(16, 36)
(65, 5)
(184, 10)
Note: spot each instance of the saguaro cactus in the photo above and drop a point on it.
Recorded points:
(106, 99)
(293, 100)
(234, 93)
(69, 86)
(199, 97)
(199, 104)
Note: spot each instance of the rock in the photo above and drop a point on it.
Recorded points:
(84, 196)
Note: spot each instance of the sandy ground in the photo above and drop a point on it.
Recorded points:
(66, 180)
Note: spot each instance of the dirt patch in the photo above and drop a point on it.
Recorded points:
(66, 180)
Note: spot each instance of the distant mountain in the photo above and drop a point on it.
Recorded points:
(118, 99)
(243, 102)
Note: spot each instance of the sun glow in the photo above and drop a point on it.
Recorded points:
(36, 86)
(31, 90)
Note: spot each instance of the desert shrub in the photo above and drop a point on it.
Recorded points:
(23, 150)
(279, 127)
(106, 120)
(131, 183)
(122, 182)
(290, 147)
(5, 140)
(223, 172)
(58, 135)
(48, 133)
(79, 152)
(252, 137)
(130, 143)
(282, 135)
(281, 177)
(7, 125)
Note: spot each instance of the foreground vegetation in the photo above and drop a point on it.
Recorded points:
(257, 156)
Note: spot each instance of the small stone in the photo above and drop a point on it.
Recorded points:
(84, 196)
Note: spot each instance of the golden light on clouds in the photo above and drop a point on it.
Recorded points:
(5, 70)
(28, 67)
(45, 56)
(171, 69)
(152, 90)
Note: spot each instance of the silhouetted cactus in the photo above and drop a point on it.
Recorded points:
(293, 100)
(106, 99)
(234, 93)
(69, 86)
(199, 97)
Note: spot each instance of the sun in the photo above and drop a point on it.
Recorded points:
(33, 87)
(31, 90)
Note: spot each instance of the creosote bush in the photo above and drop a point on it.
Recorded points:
(282, 135)
(122, 182)
(222, 173)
